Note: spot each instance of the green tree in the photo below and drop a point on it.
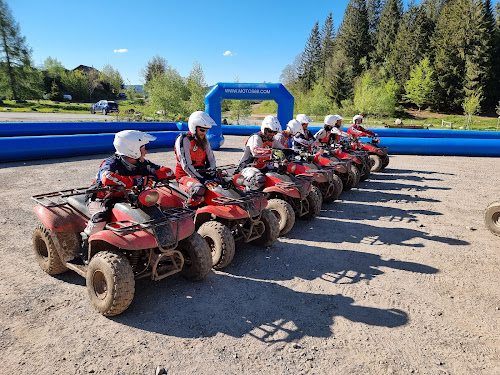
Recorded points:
(411, 44)
(311, 59)
(197, 88)
(375, 95)
(315, 102)
(420, 87)
(374, 9)
(53, 68)
(471, 106)
(388, 29)
(113, 78)
(167, 93)
(75, 83)
(327, 37)
(156, 66)
(15, 63)
(239, 109)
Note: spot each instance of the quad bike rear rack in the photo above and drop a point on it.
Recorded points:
(58, 198)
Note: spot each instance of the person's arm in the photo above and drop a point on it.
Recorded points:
(182, 148)
(257, 149)
(210, 156)
(110, 178)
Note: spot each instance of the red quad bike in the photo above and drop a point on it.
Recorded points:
(227, 215)
(290, 195)
(325, 180)
(359, 159)
(379, 157)
(492, 218)
(142, 240)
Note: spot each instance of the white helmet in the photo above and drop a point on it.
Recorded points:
(270, 122)
(303, 119)
(357, 117)
(339, 117)
(201, 119)
(331, 120)
(129, 142)
(294, 127)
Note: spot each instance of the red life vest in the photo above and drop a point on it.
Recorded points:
(198, 156)
(326, 138)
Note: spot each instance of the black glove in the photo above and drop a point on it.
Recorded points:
(146, 181)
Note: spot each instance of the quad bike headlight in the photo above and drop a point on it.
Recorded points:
(149, 197)
(238, 180)
(291, 168)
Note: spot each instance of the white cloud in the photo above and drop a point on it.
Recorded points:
(121, 50)
(227, 53)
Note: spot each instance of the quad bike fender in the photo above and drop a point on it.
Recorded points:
(61, 218)
(318, 176)
(230, 212)
(131, 241)
(169, 198)
(291, 192)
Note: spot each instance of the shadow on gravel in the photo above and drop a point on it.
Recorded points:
(412, 172)
(376, 185)
(373, 196)
(391, 177)
(316, 262)
(238, 306)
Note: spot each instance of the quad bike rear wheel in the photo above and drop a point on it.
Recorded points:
(271, 231)
(44, 244)
(314, 200)
(220, 241)
(283, 211)
(366, 172)
(339, 186)
(385, 162)
(492, 218)
(197, 257)
(375, 162)
(110, 282)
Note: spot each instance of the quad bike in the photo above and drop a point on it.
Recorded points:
(290, 195)
(142, 240)
(360, 160)
(379, 157)
(227, 214)
(327, 182)
(492, 218)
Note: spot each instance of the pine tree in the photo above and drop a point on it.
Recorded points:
(15, 60)
(374, 8)
(411, 45)
(433, 8)
(388, 29)
(327, 44)
(154, 67)
(311, 59)
(492, 89)
(196, 85)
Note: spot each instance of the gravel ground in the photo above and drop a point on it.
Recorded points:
(399, 276)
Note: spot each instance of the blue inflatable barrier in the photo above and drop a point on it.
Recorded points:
(45, 147)
(21, 129)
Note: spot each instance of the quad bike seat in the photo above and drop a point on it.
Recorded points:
(78, 202)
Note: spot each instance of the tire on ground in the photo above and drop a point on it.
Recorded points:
(376, 163)
(197, 257)
(220, 241)
(284, 214)
(492, 218)
(272, 229)
(353, 179)
(385, 162)
(110, 282)
(314, 200)
(339, 186)
(44, 245)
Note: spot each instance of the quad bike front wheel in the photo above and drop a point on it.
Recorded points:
(197, 257)
(353, 178)
(220, 241)
(271, 231)
(492, 218)
(385, 161)
(375, 162)
(314, 201)
(44, 244)
(110, 282)
(283, 211)
(339, 186)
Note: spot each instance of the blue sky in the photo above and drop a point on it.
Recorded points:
(249, 40)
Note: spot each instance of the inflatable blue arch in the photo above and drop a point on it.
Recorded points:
(246, 91)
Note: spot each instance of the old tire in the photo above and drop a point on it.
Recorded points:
(220, 241)
(492, 218)
(197, 257)
(375, 162)
(44, 245)
(110, 282)
(284, 213)
(314, 200)
(272, 229)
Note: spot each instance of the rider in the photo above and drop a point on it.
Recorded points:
(304, 139)
(323, 136)
(193, 153)
(285, 137)
(337, 133)
(126, 168)
(258, 151)
(357, 130)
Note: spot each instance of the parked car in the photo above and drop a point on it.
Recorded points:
(104, 106)
(122, 95)
(67, 97)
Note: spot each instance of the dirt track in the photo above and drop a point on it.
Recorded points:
(398, 277)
